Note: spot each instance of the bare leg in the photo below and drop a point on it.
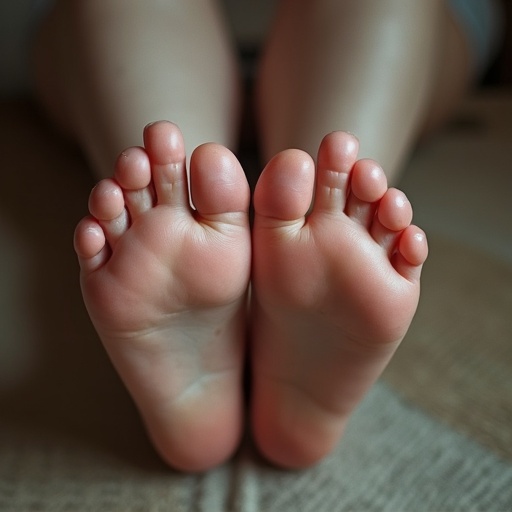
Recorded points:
(334, 293)
(375, 69)
(106, 68)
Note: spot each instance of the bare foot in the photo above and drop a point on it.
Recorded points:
(165, 286)
(334, 292)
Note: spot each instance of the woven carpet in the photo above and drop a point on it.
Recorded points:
(435, 434)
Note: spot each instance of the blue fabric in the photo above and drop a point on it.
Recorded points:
(483, 23)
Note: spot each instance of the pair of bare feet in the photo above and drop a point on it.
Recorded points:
(333, 291)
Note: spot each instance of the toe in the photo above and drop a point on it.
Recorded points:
(395, 211)
(89, 243)
(164, 145)
(394, 214)
(413, 245)
(106, 201)
(133, 173)
(368, 185)
(412, 253)
(218, 182)
(285, 188)
(336, 157)
(106, 204)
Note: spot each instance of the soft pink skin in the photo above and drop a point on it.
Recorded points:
(334, 292)
(165, 286)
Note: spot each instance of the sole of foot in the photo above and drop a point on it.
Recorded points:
(165, 285)
(335, 285)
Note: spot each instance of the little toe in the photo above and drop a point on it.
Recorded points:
(164, 145)
(394, 214)
(284, 191)
(133, 173)
(90, 244)
(368, 185)
(336, 157)
(219, 186)
(412, 253)
(107, 205)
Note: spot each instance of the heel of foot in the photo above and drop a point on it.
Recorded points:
(193, 445)
(291, 430)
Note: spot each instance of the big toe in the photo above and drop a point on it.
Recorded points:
(284, 190)
(219, 187)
